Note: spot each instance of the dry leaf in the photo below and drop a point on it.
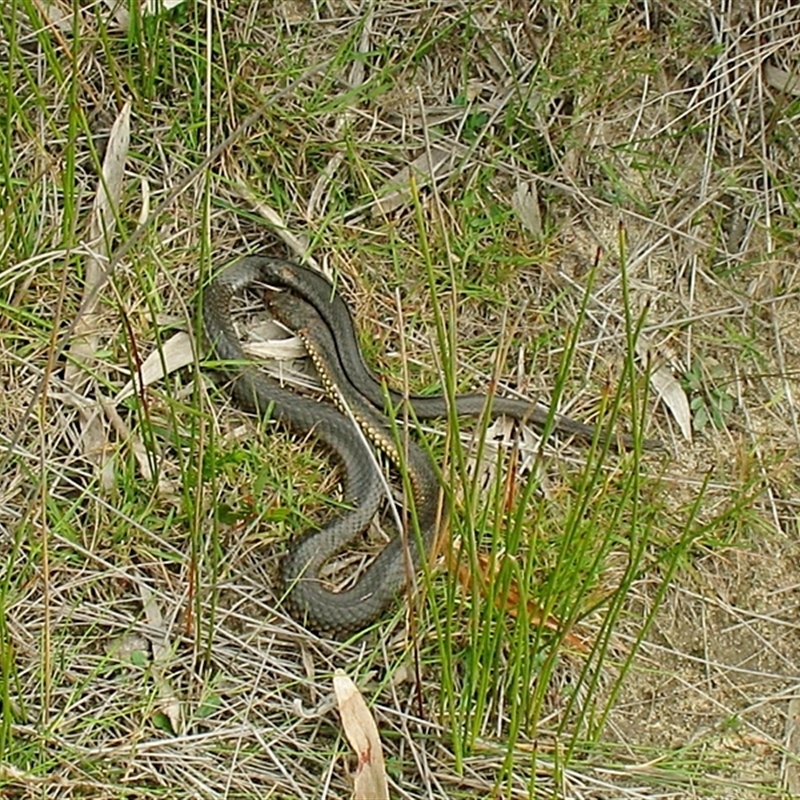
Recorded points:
(157, 635)
(512, 602)
(362, 733)
(130, 647)
(297, 243)
(152, 7)
(119, 14)
(277, 349)
(783, 81)
(57, 17)
(109, 191)
(103, 220)
(669, 390)
(525, 201)
(425, 168)
(94, 440)
(175, 353)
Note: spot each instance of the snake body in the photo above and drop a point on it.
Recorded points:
(325, 324)
(337, 613)
(317, 290)
(422, 505)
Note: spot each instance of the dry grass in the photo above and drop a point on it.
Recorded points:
(144, 653)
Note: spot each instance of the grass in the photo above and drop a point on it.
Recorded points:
(609, 625)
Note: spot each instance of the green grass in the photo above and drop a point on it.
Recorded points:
(631, 554)
(498, 669)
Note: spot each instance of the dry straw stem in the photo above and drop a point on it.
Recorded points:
(470, 161)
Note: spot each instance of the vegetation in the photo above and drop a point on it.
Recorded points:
(588, 203)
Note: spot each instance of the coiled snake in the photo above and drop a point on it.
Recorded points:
(322, 319)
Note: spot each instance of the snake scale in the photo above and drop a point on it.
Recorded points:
(323, 321)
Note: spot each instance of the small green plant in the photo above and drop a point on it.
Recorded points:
(709, 401)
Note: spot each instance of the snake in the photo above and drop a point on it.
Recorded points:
(325, 325)
(320, 293)
(336, 613)
(424, 504)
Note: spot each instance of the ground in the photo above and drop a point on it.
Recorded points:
(610, 228)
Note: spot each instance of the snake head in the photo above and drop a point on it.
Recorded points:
(291, 310)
